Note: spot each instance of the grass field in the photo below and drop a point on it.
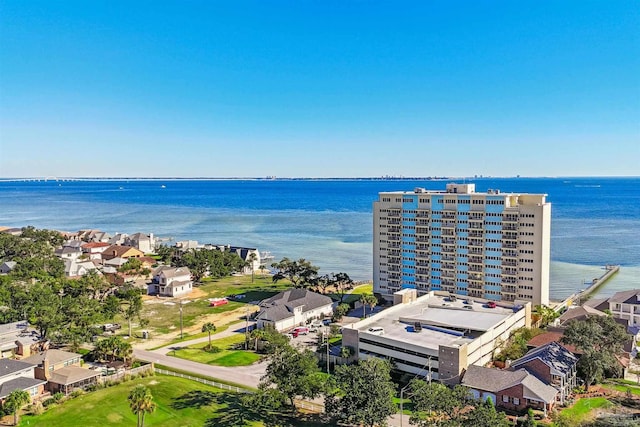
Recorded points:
(180, 403)
(356, 293)
(228, 356)
(581, 410)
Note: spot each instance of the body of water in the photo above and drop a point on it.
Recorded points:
(595, 221)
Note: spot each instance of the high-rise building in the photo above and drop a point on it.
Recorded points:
(492, 245)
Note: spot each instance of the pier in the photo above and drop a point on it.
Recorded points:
(584, 294)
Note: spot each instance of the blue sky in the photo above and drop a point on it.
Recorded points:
(319, 88)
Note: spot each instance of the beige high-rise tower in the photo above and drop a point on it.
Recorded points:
(489, 245)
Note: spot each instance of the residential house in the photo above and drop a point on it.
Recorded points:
(75, 268)
(143, 242)
(68, 253)
(582, 312)
(15, 339)
(94, 250)
(512, 390)
(626, 305)
(170, 281)
(117, 251)
(551, 335)
(7, 267)
(552, 364)
(251, 256)
(119, 239)
(19, 375)
(62, 370)
(94, 236)
(292, 308)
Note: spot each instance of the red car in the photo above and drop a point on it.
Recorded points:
(491, 304)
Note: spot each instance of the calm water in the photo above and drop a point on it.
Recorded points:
(596, 221)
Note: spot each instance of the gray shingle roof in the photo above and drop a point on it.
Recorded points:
(20, 383)
(626, 297)
(560, 360)
(495, 380)
(281, 306)
(54, 356)
(10, 366)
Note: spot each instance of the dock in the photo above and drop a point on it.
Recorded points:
(584, 294)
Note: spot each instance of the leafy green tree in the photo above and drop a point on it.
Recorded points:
(600, 339)
(547, 314)
(14, 402)
(436, 404)
(131, 304)
(530, 421)
(340, 311)
(209, 327)
(293, 373)
(299, 273)
(485, 414)
(134, 267)
(141, 403)
(113, 348)
(342, 284)
(166, 253)
(44, 309)
(368, 300)
(362, 393)
(321, 283)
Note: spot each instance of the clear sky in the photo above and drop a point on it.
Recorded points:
(319, 88)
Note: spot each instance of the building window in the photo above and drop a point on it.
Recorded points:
(505, 398)
(516, 401)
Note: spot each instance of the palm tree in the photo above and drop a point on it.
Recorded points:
(260, 334)
(209, 327)
(15, 401)
(252, 260)
(368, 300)
(141, 402)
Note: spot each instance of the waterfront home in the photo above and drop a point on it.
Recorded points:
(578, 313)
(292, 308)
(143, 242)
(68, 253)
(94, 236)
(552, 364)
(626, 305)
(62, 370)
(512, 390)
(251, 257)
(170, 281)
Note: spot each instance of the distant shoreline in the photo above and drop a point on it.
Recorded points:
(372, 178)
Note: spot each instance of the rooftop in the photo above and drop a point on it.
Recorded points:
(444, 321)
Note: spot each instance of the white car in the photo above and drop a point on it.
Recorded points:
(376, 330)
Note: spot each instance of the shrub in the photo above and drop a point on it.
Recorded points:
(57, 397)
(77, 393)
(37, 408)
(48, 402)
(212, 349)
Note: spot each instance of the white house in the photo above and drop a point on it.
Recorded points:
(170, 281)
(626, 305)
(94, 249)
(142, 242)
(77, 268)
(292, 308)
(68, 252)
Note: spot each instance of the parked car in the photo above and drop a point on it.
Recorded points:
(108, 327)
(300, 330)
(376, 330)
(491, 304)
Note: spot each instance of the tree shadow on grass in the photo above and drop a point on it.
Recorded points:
(194, 399)
(239, 410)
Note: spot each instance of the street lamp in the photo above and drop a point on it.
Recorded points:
(402, 402)
(181, 320)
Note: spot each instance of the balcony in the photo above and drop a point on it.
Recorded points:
(509, 245)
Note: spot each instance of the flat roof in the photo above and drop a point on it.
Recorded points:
(444, 321)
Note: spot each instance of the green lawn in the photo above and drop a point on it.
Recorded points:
(166, 318)
(356, 293)
(180, 403)
(624, 388)
(582, 408)
(228, 356)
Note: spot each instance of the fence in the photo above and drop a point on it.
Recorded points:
(129, 372)
(216, 384)
(303, 404)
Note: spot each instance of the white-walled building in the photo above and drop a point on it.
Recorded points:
(170, 282)
(292, 308)
(489, 245)
(436, 334)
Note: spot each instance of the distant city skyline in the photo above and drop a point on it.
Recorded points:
(319, 89)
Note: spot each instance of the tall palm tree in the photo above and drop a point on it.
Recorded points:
(15, 401)
(368, 300)
(141, 402)
(252, 260)
(209, 327)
